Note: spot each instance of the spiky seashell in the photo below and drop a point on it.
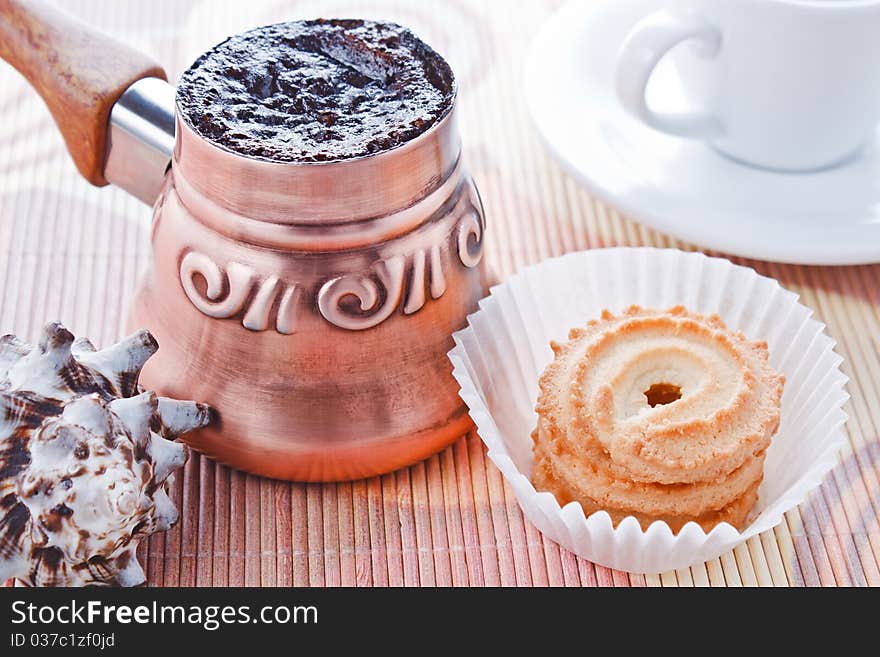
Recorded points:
(84, 459)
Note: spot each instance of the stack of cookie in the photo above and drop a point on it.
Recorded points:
(661, 415)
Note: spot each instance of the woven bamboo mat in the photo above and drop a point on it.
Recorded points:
(71, 252)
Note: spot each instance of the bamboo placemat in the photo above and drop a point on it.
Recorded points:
(71, 252)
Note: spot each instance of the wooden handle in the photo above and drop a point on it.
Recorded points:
(79, 71)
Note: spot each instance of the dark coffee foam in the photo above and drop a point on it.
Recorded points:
(315, 91)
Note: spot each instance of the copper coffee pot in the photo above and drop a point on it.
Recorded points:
(311, 304)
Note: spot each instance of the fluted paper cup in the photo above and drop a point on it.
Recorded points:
(499, 356)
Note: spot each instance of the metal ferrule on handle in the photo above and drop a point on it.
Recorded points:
(141, 138)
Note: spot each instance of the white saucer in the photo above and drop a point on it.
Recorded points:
(683, 187)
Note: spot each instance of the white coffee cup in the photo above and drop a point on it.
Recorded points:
(782, 84)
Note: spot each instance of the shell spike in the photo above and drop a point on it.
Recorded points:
(136, 413)
(48, 370)
(89, 413)
(140, 345)
(121, 363)
(82, 345)
(55, 344)
(181, 416)
(9, 341)
(55, 337)
(167, 456)
(165, 512)
(130, 572)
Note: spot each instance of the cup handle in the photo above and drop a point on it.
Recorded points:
(649, 41)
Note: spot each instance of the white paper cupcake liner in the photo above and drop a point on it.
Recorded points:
(499, 357)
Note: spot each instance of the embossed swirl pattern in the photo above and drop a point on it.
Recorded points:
(659, 414)
(378, 292)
